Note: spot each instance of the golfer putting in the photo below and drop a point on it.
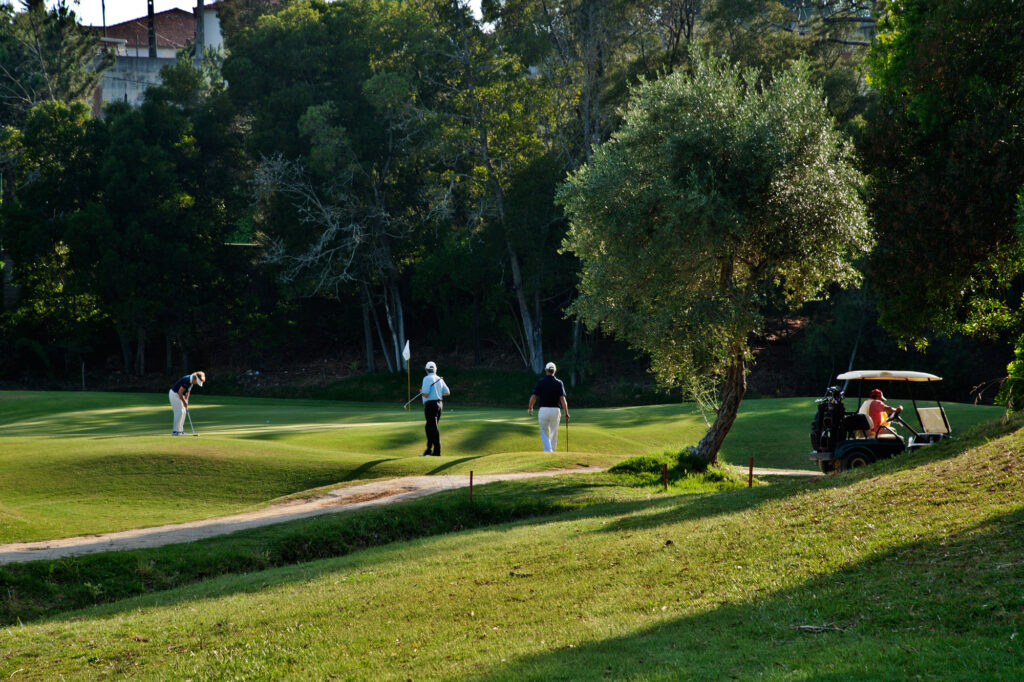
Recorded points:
(551, 394)
(179, 395)
(432, 391)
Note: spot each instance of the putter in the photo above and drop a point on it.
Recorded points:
(189, 413)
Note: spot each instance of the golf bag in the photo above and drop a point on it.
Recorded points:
(827, 427)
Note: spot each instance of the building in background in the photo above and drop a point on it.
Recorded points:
(138, 62)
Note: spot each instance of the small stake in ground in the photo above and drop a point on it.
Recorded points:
(664, 476)
(750, 476)
(470, 486)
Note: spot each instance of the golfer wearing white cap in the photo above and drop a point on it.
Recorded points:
(432, 390)
(551, 393)
(178, 396)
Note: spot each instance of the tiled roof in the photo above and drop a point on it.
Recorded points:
(174, 28)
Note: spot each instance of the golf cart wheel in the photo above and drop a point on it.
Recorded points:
(854, 459)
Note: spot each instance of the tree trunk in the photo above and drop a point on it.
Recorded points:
(577, 334)
(531, 328)
(11, 293)
(732, 394)
(380, 332)
(476, 328)
(368, 336)
(399, 313)
(393, 317)
(140, 357)
(126, 350)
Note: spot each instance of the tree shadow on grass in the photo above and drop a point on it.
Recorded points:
(238, 562)
(363, 469)
(709, 505)
(630, 514)
(943, 610)
(449, 464)
(479, 437)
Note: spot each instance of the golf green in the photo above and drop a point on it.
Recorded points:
(76, 463)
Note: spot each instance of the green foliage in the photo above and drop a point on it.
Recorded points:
(46, 56)
(713, 198)
(137, 241)
(1011, 393)
(945, 143)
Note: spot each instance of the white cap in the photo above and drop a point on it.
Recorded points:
(198, 378)
(550, 367)
(431, 367)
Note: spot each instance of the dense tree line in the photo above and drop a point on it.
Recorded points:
(397, 166)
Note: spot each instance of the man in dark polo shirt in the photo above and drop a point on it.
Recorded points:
(551, 394)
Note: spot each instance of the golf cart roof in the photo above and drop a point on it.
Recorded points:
(887, 375)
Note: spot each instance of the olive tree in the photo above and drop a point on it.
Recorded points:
(722, 194)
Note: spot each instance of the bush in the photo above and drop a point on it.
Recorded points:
(679, 463)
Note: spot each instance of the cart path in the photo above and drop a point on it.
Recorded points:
(341, 499)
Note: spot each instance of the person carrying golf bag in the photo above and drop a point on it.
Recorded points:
(179, 395)
(432, 390)
(551, 393)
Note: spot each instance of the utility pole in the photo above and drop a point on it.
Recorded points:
(200, 32)
(152, 29)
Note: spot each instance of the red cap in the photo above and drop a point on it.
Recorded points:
(877, 393)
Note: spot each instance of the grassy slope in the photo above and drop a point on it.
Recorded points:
(911, 567)
(75, 463)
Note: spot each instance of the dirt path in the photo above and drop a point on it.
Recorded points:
(342, 499)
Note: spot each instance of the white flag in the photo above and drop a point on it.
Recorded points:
(405, 352)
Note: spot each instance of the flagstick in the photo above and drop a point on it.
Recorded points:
(406, 353)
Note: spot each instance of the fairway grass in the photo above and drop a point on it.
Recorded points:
(910, 568)
(80, 463)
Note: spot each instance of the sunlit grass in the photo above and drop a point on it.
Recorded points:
(76, 463)
(907, 569)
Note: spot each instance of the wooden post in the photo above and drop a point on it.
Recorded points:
(750, 476)
(664, 477)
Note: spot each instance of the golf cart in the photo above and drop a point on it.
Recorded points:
(845, 440)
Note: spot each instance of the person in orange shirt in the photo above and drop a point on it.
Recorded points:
(878, 412)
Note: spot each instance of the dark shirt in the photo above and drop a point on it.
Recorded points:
(184, 382)
(548, 391)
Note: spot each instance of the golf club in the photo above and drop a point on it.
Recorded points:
(189, 413)
(567, 434)
(419, 395)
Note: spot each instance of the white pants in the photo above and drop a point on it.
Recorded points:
(548, 417)
(178, 426)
